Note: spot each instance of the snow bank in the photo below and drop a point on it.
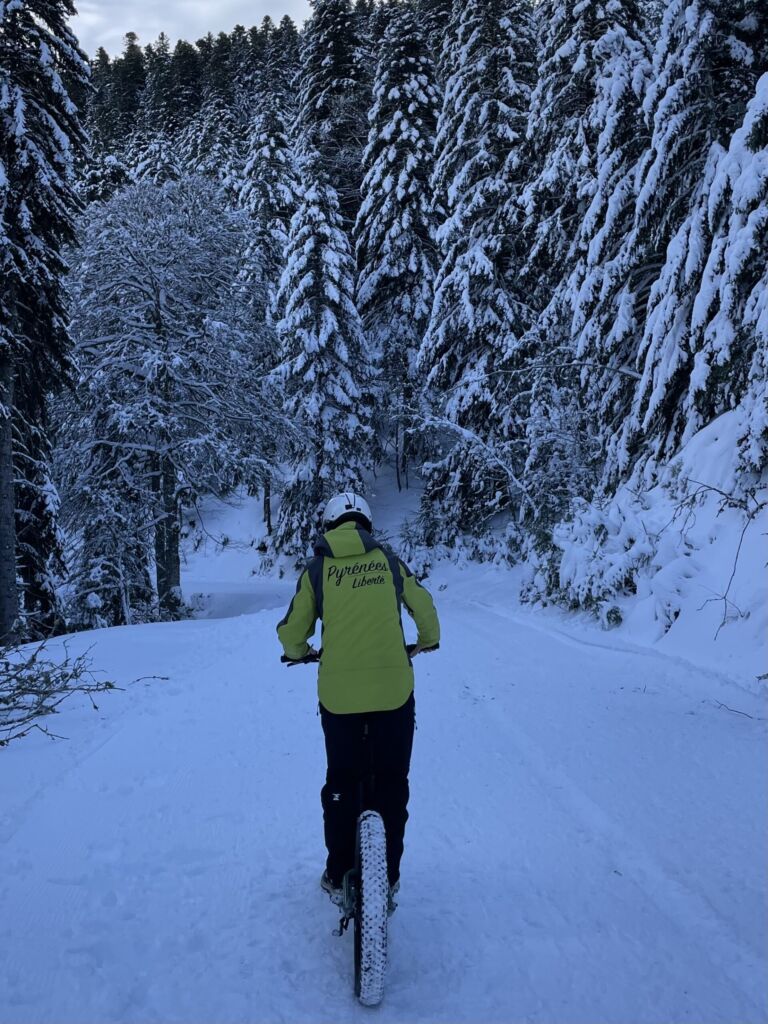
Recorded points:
(678, 564)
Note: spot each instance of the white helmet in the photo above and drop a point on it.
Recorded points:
(346, 504)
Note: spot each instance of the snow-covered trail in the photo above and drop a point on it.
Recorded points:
(586, 841)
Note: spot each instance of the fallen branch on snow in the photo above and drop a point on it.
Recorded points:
(32, 688)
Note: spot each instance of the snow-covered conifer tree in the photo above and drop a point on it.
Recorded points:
(333, 100)
(665, 348)
(364, 14)
(270, 177)
(396, 225)
(184, 82)
(246, 55)
(129, 78)
(478, 315)
(371, 22)
(270, 195)
(653, 12)
(40, 137)
(707, 310)
(155, 158)
(323, 368)
(106, 508)
(103, 109)
(277, 78)
(104, 174)
(562, 140)
(590, 292)
(435, 19)
(211, 144)
(739, 327)
(157, 110)
(704, 73)
(756, 24)
(592, 67)
(285, 46)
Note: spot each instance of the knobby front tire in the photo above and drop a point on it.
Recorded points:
(371, 914)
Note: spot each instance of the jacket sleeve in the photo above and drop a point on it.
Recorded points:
(421, 607)
(299, 624)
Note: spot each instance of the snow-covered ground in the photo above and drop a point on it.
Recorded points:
(587, 838)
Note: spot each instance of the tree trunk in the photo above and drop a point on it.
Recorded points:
(173, 519)
(39, 558)
(397, 455)
(406, 422)
(9, 602)
(167, 537)
(268, 506)
(406, 457)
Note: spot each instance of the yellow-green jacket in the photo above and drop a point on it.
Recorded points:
(357, 587)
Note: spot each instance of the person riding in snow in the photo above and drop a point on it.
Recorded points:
(357, 587)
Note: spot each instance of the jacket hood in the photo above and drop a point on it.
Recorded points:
(347, 541)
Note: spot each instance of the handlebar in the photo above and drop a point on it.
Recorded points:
(310, 659)
(314, 657)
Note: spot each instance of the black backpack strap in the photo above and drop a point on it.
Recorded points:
(315, 573)
(397, 573)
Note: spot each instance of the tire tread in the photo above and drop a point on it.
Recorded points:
(373, 908)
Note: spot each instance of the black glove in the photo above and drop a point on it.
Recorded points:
(414, 649)
(309, 658)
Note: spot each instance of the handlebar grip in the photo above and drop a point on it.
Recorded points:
(310, 659)
(313, 659)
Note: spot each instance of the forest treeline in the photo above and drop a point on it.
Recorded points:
(519, 250)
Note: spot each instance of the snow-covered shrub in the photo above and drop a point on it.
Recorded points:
(596, 556)
(668, 540)
(615, 550)
(418, 556)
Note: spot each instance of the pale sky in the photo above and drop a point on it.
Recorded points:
(105, 22)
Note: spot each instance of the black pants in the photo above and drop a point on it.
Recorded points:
(353, 743)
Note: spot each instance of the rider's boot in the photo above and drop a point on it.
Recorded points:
(335, 892)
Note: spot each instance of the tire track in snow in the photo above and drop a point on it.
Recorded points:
(624, 649)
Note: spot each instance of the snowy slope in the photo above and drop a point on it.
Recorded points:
(586, 842)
